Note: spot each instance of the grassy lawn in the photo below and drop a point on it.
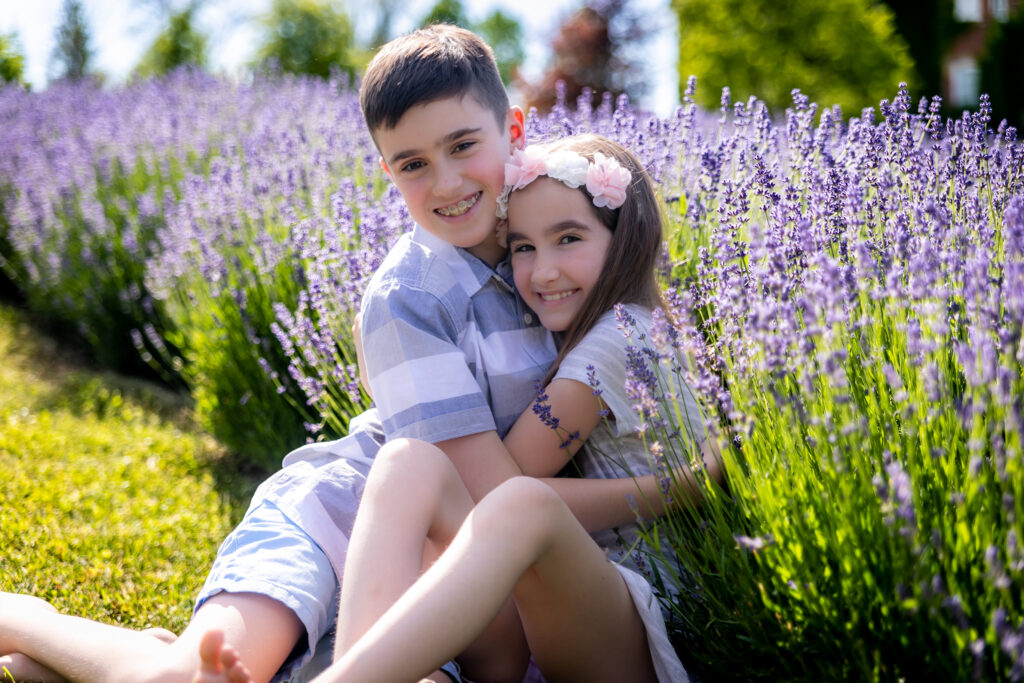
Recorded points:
(113, 502)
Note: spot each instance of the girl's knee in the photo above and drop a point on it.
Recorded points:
(528, 506)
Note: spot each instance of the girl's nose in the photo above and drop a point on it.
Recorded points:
(545, 270)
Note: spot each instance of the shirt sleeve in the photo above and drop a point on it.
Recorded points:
(422, 384)
(601, 357)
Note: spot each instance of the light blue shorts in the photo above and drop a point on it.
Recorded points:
(267, 553)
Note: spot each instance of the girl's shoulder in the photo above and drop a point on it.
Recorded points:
(624, 323)
(607, 341)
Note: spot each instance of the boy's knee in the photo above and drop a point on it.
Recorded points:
(416, 462)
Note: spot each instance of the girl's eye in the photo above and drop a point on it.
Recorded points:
(568, 239)
(521, 248)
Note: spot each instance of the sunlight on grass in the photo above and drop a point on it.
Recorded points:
(110, 507)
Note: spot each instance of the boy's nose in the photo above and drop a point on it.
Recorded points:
(448, 183)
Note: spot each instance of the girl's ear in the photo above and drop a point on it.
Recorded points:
(516, 127)
(387, 171)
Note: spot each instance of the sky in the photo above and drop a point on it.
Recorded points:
(121, 30)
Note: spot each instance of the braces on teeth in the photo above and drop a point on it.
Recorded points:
(460, 208)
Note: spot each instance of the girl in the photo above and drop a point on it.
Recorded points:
(584, 232)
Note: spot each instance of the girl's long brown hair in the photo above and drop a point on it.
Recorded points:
(628, 274)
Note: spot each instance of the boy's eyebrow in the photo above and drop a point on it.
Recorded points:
(451, 137)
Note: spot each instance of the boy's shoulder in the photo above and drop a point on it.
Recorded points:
(421, 262)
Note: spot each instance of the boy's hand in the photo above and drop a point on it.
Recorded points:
(357, 338)
(501, 231)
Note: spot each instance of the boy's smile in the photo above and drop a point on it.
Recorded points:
(447, 158)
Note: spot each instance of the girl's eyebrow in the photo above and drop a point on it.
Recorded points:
(554, 229)
(447, 139)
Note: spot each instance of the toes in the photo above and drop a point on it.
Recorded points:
(211, 649)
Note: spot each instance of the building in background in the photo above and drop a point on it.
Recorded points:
(962, 64)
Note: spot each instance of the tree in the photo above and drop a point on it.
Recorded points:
(844, 52)
(382, 25)
(178, 45)
(12, 63)
(309, 37)
(1001, 69)
(72, 53)
(593, 49)
(447, 12)
(501, 31)
(505, 36)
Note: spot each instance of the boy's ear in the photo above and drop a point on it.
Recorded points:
(516, 127)
(387, 171)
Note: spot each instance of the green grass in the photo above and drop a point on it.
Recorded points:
(113, 502)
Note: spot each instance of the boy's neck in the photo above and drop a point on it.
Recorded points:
(490, 252)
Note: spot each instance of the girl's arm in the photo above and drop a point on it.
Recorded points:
(541, 450)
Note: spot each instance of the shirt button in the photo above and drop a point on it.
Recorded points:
(528, 318)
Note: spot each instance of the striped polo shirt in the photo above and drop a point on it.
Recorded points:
(450, 350)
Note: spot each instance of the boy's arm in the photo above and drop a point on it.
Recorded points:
(483, 462)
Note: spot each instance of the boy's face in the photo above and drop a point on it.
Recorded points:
(447, 158)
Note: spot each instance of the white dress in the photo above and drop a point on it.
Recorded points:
(601, 355)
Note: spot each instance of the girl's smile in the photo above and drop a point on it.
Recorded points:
(558, 246)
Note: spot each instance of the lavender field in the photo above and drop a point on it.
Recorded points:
(847, 286)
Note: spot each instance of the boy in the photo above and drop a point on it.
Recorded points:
(452, 358)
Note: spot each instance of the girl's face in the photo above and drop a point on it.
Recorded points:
(558, 248)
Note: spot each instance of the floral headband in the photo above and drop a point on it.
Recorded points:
(605, 178)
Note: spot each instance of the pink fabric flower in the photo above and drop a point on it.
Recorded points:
(607, 181)
(525, 166)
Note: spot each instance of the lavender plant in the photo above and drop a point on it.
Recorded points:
(179, 217)
(846, 297)
(854, 322)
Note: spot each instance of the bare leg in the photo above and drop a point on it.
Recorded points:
(85, 650)
(416, 495)
(578, 614)
(14, 664)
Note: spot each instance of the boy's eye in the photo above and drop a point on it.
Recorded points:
(520, 248)
(412, 166)
(463, 146)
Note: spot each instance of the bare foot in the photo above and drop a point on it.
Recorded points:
(219, 662)
(18, 667)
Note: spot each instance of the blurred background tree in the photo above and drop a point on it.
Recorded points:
(72, 54)
(447, 12)
(180, 44)
(1002, 69)
(309, 37)
(12, 62)
(844, 52)
(601, 47)
(505, 36)
(502, 31)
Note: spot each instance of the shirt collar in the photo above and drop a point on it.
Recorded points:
(470, 272)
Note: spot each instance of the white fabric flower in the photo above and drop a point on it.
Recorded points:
(568, 167)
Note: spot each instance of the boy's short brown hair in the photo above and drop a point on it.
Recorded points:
(427, 65)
